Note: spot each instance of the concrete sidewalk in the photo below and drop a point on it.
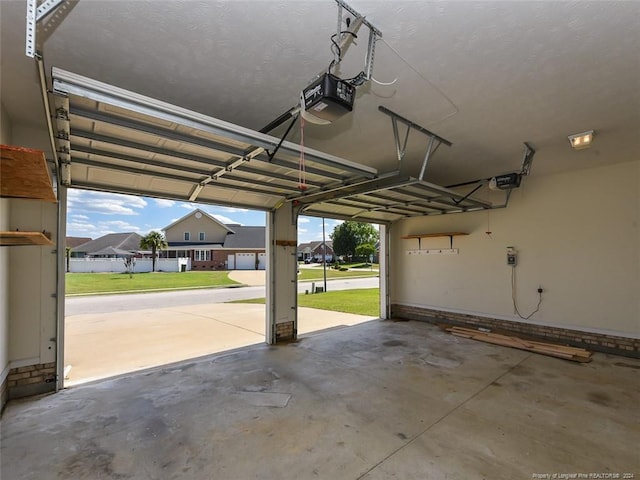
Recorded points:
(107, 344)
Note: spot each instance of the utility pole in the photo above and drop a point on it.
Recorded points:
(324, 262)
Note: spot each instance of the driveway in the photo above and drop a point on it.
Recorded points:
(100, 345)
(252, 278)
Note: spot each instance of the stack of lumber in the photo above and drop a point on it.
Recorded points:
(551, 349)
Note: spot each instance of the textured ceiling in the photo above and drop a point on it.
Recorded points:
(485, 75)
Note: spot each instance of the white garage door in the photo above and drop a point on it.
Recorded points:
(263, 261)
(245, 261)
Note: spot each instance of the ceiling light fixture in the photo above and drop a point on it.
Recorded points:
(581, 140)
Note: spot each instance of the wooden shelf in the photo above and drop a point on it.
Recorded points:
(428, 235)
(420, 236)
(9, 239)
(24, 174)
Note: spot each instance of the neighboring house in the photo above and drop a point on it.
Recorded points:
(314, 251)
(73, 242)
(112, 245)
(213, 245)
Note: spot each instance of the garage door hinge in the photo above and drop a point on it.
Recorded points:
(54, 295)
(62, 114)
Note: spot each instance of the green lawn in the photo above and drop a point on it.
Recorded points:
(88, 283)
(365, 301)
(85, 283)
(307, 274)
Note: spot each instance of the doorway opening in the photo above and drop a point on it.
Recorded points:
(129, 306)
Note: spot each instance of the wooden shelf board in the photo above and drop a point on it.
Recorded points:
(430, 235)
(24, 174)
(8, 239)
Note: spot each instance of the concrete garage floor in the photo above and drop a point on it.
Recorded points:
(378, 400)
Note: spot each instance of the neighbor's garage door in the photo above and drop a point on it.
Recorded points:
(263, 261)
(245, 261)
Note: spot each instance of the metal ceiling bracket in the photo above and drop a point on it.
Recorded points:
(345, 37)
(336, 53)
(527, 159)
(414, 126)
(434, 140)
(371, 51)
(353, 12)
(30, 40)
(430, 148)
(35, 14)
(400, 149)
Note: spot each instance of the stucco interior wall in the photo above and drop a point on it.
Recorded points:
(32, 274)
(5, 138)
(576, 234)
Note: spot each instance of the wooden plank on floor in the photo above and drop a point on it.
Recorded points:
(543, 348)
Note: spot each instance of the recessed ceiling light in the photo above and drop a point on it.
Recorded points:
(581, 140)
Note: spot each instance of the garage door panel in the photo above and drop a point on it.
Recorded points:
(103, 175)
(139, 141)
(179, 188)
(245, 261)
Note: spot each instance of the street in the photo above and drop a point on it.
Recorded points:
(140, 301)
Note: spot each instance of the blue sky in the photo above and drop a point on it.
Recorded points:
(94, 214)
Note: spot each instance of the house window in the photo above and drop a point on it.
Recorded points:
(202, 255)
(187, 236)
(201, 236)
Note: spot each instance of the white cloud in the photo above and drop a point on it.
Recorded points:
(188, 206)
(82, 201)
(223, 219)
(120, 225)
(78, 229)
(233, 209)
(302, 231)
(303, 220)
(100, 228)
(148, 229)
(162, 203)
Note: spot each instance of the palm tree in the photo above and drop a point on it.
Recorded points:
(155, 241)
(67, 253)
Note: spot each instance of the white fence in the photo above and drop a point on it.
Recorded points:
(116, 265)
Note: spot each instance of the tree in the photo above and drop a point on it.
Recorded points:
(154, 241)
(129, 265)
(67, 254)
(366, 250)
(349, 235)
